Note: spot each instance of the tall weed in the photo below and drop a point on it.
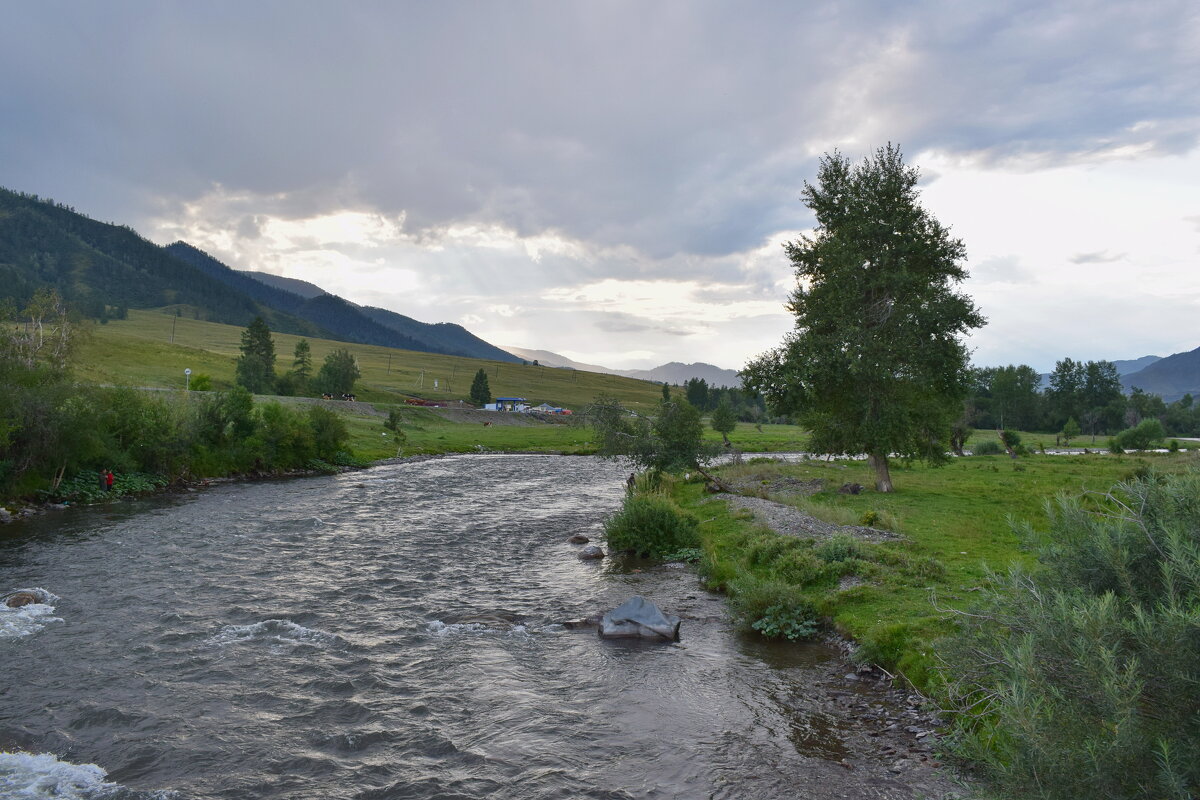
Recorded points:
(1081, 677)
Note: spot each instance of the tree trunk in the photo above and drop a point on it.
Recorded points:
(883, 478)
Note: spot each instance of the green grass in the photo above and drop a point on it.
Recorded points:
(957, 524)
(138, 351)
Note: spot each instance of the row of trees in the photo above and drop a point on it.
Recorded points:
(747, 406)
(1085, 397)
(256, 367)
(52, 428)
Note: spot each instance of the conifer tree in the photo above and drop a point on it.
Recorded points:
(481, 393)
(256, 366)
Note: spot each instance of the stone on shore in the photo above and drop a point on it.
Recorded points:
(591, 552)
(638, 618)
(579, 538)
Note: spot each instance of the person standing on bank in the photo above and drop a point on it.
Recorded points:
(108, 480)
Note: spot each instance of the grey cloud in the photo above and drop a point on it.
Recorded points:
(628, 323)
(1001, 270)
(1194, 220)
(668, 127)
(1102, 257)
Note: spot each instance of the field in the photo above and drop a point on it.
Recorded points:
(152, 348)
(957, 522)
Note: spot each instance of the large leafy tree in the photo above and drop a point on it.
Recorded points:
(338, 373)
(256, 365)
(672, 440)
(875, 364)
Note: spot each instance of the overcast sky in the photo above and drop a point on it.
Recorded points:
(613, 180)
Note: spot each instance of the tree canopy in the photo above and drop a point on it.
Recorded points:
(875, 364)
(338, 373)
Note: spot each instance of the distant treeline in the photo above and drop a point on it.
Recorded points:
(1089, 393)
(747, 406)
(53, 430)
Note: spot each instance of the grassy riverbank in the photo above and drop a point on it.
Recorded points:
(895, 598)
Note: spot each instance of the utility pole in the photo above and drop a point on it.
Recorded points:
(173, 319)
(389, 372)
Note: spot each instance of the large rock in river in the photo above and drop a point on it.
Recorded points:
(638, 618)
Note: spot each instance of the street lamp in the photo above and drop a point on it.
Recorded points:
(187, 379)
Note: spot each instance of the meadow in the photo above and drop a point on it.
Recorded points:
(896, 599)
(152, 349)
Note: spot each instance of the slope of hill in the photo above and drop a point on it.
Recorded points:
(449, 337)
(152, 348)
(343, 319)
(294, 285)
(97, 266)
(1171, 377)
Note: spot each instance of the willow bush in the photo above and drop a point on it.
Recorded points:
(1080, 677)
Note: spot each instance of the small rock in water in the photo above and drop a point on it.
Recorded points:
(18, 599)
(579, 538)
(591, 552)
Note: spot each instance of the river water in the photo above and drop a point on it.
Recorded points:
(391, 633)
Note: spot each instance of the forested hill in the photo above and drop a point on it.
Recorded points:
(101, 268)
(456, 338)
(345, 320)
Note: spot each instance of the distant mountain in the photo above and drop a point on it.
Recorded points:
(1131, 366)
(549, 359)
(673, 373)
(345, 320)
(294, 285)
(678, 373)
(1171, 377)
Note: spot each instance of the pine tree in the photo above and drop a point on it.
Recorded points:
(302, 360)
(256, 366)
(481, 394)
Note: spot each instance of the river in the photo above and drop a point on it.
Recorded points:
(396, 633)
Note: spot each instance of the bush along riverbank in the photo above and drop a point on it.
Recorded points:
(151, 441)
(949, 584)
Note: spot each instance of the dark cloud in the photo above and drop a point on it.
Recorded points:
(668, 127)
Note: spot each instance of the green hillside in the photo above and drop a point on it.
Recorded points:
(152, 348)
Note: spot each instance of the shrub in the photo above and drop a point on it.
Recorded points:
(1142, 436)
(790, 622)
(840, 548)
(650, 525)
(1080, 678)
(988, 447)
(773, 608)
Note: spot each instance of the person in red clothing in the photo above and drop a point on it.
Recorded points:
(108, 480)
